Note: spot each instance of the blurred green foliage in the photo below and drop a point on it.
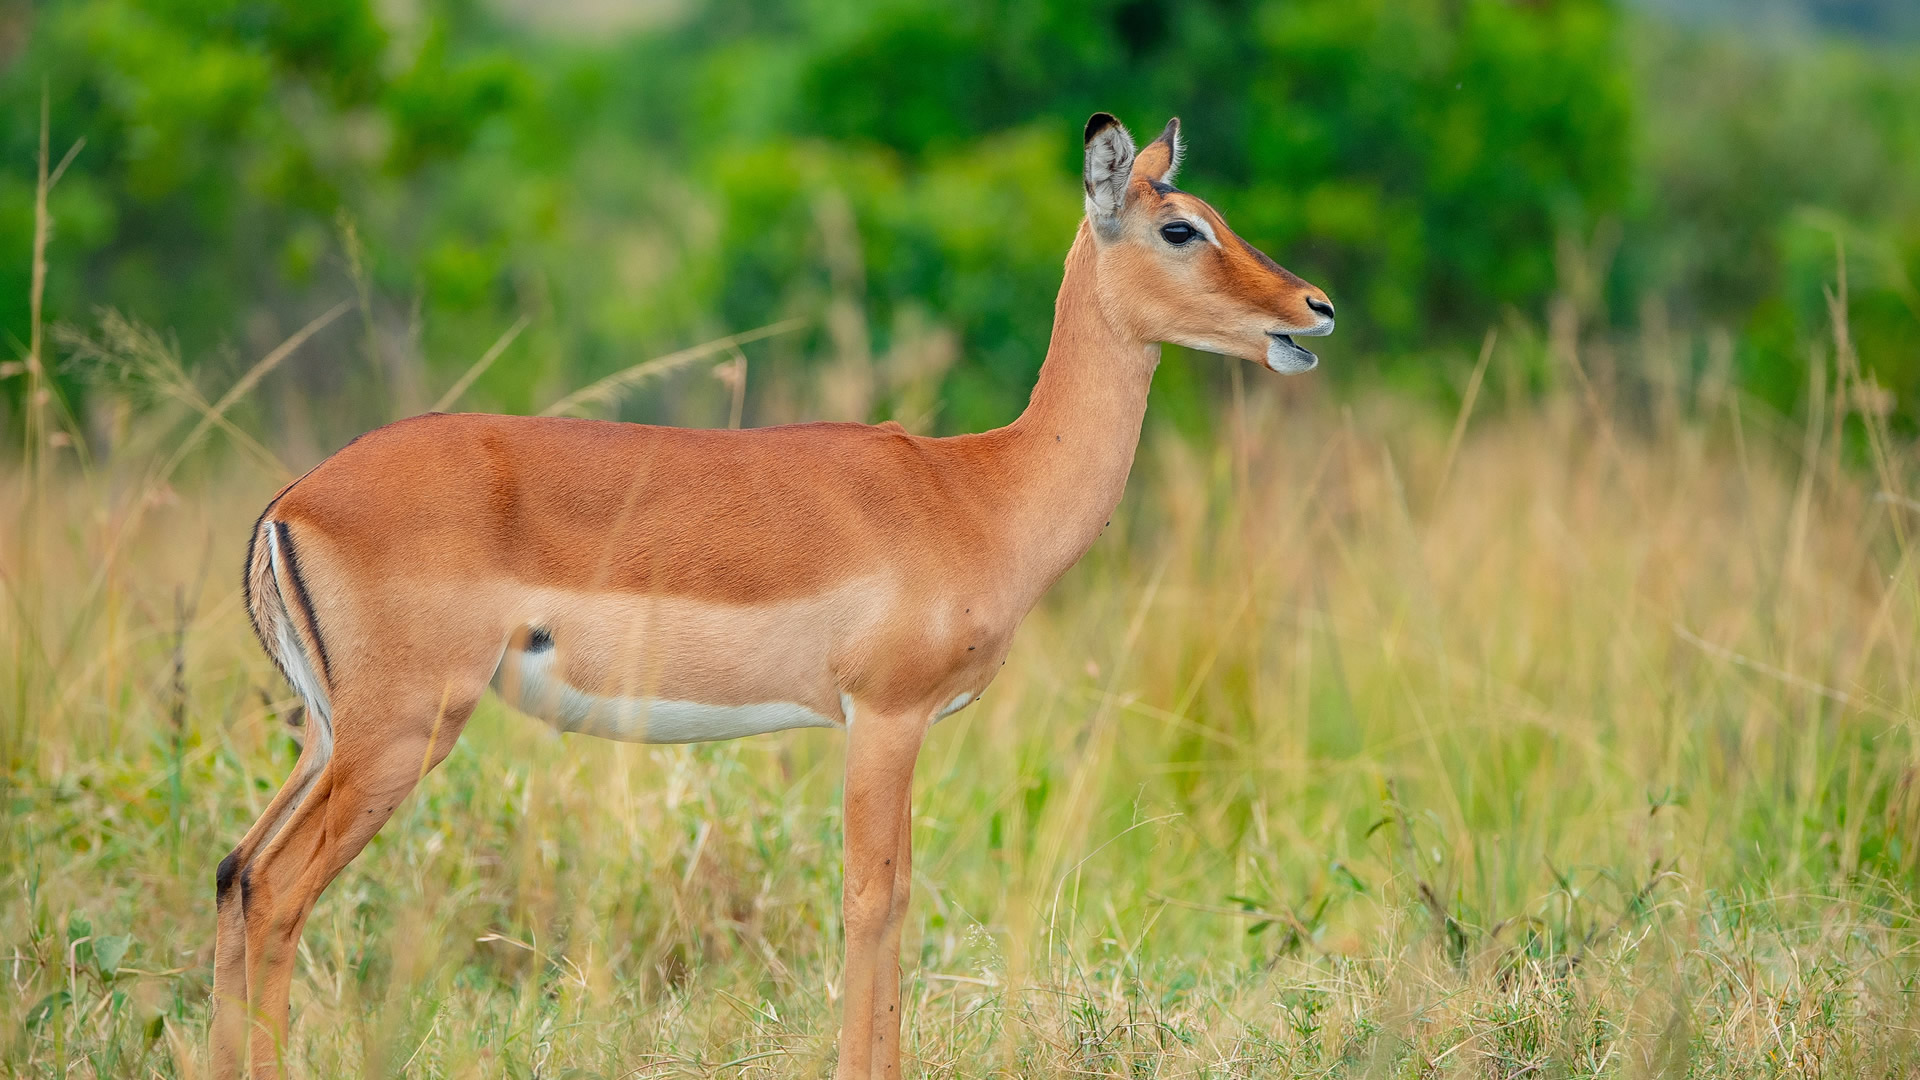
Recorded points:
(677, 172)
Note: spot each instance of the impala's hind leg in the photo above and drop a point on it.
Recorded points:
(374, 765)
(230, 944)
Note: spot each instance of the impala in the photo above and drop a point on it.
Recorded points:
(672, 585)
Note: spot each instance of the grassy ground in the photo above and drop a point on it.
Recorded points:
(1572, 739)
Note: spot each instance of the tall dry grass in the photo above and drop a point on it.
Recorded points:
(1570, 735)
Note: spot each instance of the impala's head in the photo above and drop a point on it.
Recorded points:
(1171, 270)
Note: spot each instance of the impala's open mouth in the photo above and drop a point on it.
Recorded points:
(1287, 357)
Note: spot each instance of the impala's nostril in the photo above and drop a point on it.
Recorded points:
(1320, 306)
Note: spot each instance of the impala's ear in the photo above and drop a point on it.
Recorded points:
(1109, 164)
(1160, 159)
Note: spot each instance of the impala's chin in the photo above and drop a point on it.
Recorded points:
(1287, 358)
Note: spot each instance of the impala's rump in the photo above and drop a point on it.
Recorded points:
(289, 631)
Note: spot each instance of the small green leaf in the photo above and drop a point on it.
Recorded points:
(1349, 878)
(156, 1027)
(1259, 926)
(108, 952)
(44, 1009)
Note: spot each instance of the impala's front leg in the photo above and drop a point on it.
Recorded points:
(887, 1012)
(880, 753)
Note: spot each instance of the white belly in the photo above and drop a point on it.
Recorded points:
(528, 682)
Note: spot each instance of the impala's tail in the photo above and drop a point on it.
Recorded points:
(284, 621)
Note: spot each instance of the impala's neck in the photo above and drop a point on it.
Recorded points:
(1071, 449)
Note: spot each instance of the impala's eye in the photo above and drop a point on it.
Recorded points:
(1178, 233)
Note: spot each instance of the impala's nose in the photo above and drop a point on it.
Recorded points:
(1322, 307)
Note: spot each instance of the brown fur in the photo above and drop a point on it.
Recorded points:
(657, 559)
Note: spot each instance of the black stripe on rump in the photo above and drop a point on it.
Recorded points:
(303, 600)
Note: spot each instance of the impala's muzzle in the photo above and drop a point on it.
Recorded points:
(1286, 355)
